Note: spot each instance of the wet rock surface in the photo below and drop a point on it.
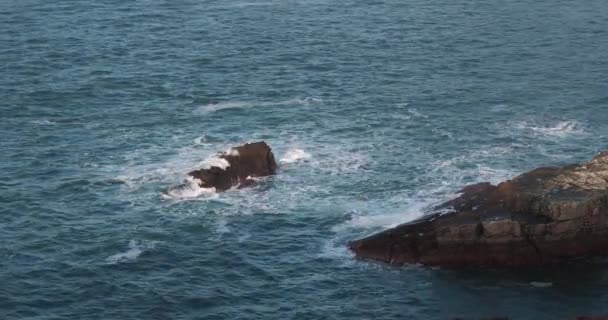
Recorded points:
(543, 216)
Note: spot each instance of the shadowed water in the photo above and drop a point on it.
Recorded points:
(375, 110)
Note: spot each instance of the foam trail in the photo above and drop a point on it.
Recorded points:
(136, 248)
(538, 284)
(213, 107)
(295, 155)
(43, 122)
(560, 130)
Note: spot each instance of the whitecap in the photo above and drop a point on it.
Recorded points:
(561, 129)
(222, 227)
(458, 172)
(384, 220)
(43, 122)
(200, 140)
(216, 161)
(244, 5)
(331, 249)
(136, 248)
(295, 155)
(414, 112)
(232, 152)
(539, 284)
(213, 107)
(189, 189)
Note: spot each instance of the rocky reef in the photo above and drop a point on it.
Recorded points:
(544, 216)
(237, 167)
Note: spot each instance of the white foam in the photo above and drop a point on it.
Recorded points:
(136, 248)
(295, 155)
(232, 152)
(493, 175)
(213, 107)
(333, 250)
(222, 227)
(43, 122)
(189, 189)
(384, 220)
(338, 161)
(455, 177)
(414, 112)
(539, 284)
(216, 161)
(244, 4)
(440, 184)
(200, 140)
(560, 130)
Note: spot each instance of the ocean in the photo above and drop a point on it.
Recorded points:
(375, 110)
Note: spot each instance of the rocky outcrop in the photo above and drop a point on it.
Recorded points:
(237, 167)
(542, 216)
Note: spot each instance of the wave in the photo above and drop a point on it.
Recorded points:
(561, 129)
(44, 122)
(136, 248)
(363, 221)
(415, 113)
(244, 5)
(215, 161)
(188, 190)
(295, 155)
(222, 227)
(442, 181)
(202, 140)
(538, 284)
(213, 107)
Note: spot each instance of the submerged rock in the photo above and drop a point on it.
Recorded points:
(542, 216)
(237, 167)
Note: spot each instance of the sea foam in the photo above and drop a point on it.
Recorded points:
(136, 248)
(216, 161)
(213, 107)
(189, 189)
(295, 155)
(561, 129)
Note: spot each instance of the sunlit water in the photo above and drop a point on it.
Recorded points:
(375, 111)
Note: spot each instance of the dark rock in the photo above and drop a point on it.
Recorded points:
(237, 167)
(542, 216)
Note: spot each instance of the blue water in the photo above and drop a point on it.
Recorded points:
(375, 109)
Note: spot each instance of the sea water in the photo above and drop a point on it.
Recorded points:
(375, 110)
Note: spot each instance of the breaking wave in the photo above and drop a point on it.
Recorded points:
(188, 190)
(561, 129)
(295, 155)
(44, 122)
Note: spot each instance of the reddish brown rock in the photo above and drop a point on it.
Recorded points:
(542, 216)
(237, 167)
